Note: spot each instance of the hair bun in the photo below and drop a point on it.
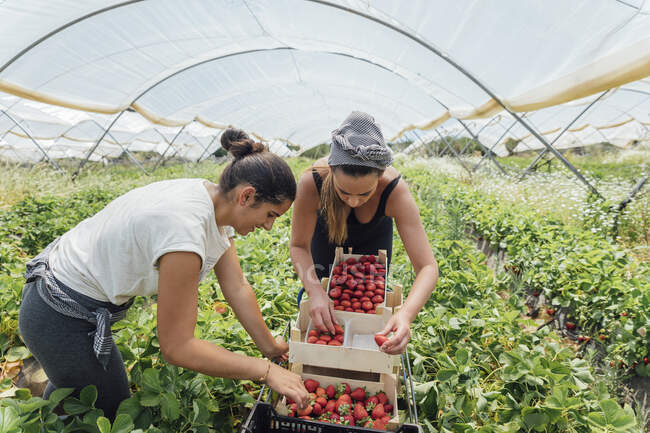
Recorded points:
(239, 144)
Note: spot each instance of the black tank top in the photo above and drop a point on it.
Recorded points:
(363, 238)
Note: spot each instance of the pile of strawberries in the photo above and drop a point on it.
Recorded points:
(341, 405)
(358, 286)
(325, 338)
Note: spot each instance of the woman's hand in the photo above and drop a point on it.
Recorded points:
(401, 328)
(279, 351)
(288, 384)
(322, 311)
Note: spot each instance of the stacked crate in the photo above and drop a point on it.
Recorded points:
(358, 361)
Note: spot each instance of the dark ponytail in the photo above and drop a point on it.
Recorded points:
(268, 173)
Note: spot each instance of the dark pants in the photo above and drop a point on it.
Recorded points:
(64, 348)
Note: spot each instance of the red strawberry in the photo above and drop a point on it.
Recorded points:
(378, 411)
(359, 412)
(339, 338)
(369, 293)
(311, 385)
(351, 261)
(339, 308)
(326, 337)
(359, 310)
(369, 424)
(312, 339)
(358, 394)
(320, 392)
(306, 411)
(335, 293)
(356, 305)
(342, 408)
(385, 419)
(371, 286)
(381, 396)
(338, 329)
(570, 326)
(388, 408)
(367, 305)
(379, 292)
(371, 258)
(379, 425)
(377, 299)
(313, 333)
(318, 409)
(646, 361)
(550, 311)
(347, 420)
(322, 400)
(350, 309)
(330, 391)
(334, 343)
(380, 339)
(324, 343)
(335, 417)
(330, 406)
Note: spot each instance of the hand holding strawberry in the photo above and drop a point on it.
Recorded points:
(322, 311)
(288, 384)
(401, 329)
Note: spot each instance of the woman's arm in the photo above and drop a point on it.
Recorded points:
(178, 281)
(303, 222)
(401, 205)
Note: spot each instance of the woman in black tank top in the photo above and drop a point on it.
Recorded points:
(352, 202)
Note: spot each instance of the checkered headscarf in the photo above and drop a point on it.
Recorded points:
(359, 141)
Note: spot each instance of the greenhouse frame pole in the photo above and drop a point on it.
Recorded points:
(50, 160)
(454, 152)
(470, 76)
(495, 144)
(448, 146)
(99, 140)
(207, 148)
(489, 152)
(171, 143)
(543, 152)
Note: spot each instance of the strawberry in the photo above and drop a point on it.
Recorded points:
(321, 400)
(380, 285)
(646, 361)
(380, 339)
(367, 305)
(317, 409)
(339, 308)
(306, 411)
(342, 408)
(311, 385)
(359, 412)
(602, 337)
(550, 311)
(369, 424)
(344, 297)
(330, 391)
(358, 294)
(381, 396)
(326, 338)
(379, 425)
(371, 286)
(385, 419)
(351, 284)
(359, 310)
(335, 293)
(356, 305)
(371, 312)
(339, 338)
(388, 408)
(350, 309)
(335, 417)
(358, 394)
(378, 411)
(346, 304)
(312, 339)
(570, 326)
(369, 293)
(351, 261)
(371, 258)
(324, 343)
(338, 329)
(347, 420)
(330, 406)
(313, 333)
(334, 343)
(377, 299)
(346, 389)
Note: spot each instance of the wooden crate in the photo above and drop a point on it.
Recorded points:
(373, 383)
(359, 350)
(340, 256)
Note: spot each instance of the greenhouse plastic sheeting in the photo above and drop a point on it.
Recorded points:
(293, 69)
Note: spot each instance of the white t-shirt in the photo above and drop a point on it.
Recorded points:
(114, 255)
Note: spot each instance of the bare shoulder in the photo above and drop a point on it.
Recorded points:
(400, 198)
(307, 192)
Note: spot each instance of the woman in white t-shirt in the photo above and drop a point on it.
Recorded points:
(160, 239)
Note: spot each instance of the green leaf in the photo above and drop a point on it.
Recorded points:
(9, 420)
(17, 353)
(59, 394)
(170, 408)
(104, 425)
(122, 424)
(462, 356)
(445, 374)
(149, 399)
(88, 395)
(151, 380)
